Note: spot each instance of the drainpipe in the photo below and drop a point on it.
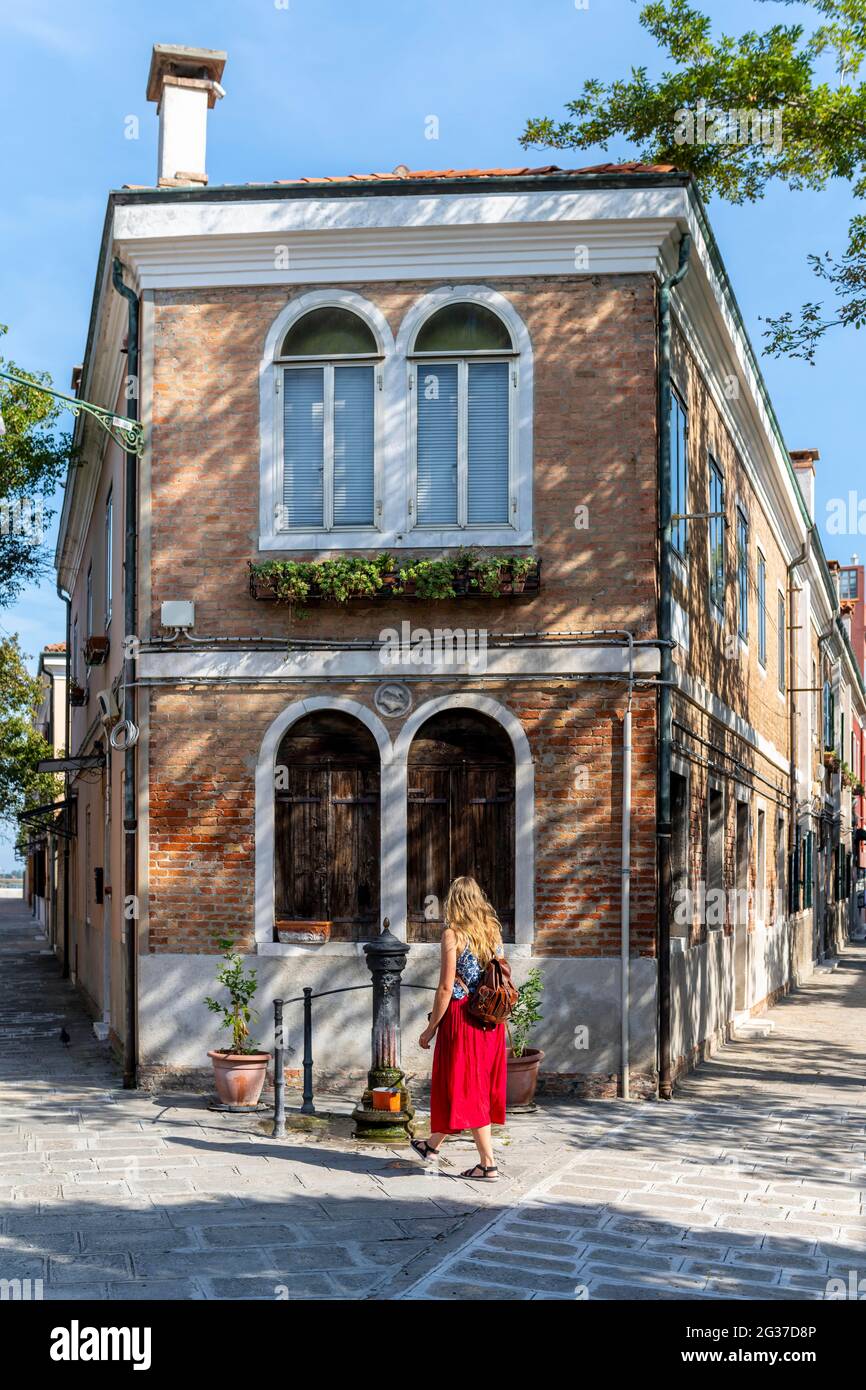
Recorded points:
(625, 890)
(663, 791)
(792, 719)
(130, 823)
(67, 818)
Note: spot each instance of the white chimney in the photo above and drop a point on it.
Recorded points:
(804, 461)
(185, 84)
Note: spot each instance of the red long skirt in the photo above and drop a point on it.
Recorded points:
(468, 1085)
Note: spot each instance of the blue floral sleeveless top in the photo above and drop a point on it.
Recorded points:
(471, 971)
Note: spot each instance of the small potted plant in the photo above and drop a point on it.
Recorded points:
(522, 1061)
(240, 1069)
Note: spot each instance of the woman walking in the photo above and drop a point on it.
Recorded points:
(468, 1086)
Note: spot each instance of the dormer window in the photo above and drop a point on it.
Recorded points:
(326, 383)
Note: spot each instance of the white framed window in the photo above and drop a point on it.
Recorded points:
(762, 609)
(324, 423)
(88, 602)
(470, 483)
(328, 374)
(463, 381)
(716, 534)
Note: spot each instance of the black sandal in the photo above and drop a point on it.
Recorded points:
(479, 1173)
(423, 1149)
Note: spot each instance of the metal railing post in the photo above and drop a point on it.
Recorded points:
(386, 959)
(307, 1108)
(279, 1129)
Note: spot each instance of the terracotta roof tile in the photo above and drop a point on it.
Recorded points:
(403, 175)
(517, 172)
(54, 647)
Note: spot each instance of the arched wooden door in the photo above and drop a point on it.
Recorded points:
(326, 860)
(460, 817)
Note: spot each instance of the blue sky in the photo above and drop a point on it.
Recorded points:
(331, 86)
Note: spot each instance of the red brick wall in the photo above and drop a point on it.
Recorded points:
(204, 746)
(594, 445)
(594, 344)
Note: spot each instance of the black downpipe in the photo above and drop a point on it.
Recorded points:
(130, 820)
(663, 790)
(67, 752)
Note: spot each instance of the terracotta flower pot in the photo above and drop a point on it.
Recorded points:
(522, 1077)
(239, 1076)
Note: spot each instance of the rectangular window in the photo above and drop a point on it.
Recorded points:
(761, 865)
(848, 584)
(681, 916)
(109, 527)
(715, 870)
(814, 698)
(716, 526)
(762, 609)
(829, 730)
(782, 638)
(463, 443)
(742, 574)
(781, 856)
(808, 868)
(328, 447)
(88, 612)
(73, 665)
(679, 433)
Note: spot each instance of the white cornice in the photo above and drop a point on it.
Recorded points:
(252, 665)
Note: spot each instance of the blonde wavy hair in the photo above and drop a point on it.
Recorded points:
(471, 917)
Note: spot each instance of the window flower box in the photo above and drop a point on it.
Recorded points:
(831, 761)
(351, 578)
(96, 651)
(77, 694)
(302, 933)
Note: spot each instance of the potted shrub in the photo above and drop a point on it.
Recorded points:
(240, 1069)
(522, 1061)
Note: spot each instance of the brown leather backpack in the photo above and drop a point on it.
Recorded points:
(492, 1002)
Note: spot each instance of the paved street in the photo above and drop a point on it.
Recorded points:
(749, 1185)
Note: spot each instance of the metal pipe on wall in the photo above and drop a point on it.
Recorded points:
(663, 791)
(129, 915)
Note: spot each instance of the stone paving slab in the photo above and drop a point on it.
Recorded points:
(750, 1184)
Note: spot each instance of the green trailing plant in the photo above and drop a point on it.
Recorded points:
(521, 566)
(526, 1012)
(431, 578)
(351, 576)
(241, 989)
(486, 575)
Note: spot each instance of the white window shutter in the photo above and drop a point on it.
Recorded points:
(303, 446)
(488, 441)
(436, 405)
(353, 446)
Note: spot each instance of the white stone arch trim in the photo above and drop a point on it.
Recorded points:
(524, 800)
(387, 414)
(520, 530)
(391, 852)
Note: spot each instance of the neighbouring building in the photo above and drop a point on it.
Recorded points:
(44, 844)
(561, 552)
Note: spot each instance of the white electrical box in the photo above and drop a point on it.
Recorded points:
(178, 613)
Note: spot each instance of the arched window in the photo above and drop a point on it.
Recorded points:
(464, 366)
(326, 826)
(326, 368)
(460, 817)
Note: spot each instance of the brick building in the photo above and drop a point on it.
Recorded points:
(405, 368)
